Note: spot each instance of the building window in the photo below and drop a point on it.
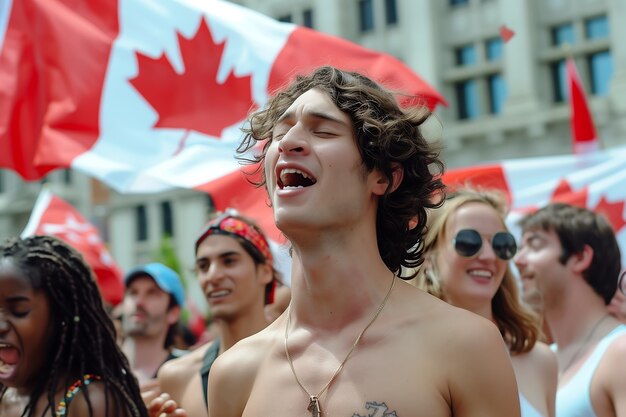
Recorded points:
(391, 12)
(563, 34)
(167, 219)
(465, 55)
(458, 2)
(557, 71)
(141, 221)
(600, 72)
(366, 15)
(467, 99)
(479, 89)
(286, 18)
(497, 93)
(597, 28)
(592, 50)
(493, 48)
(307, 18)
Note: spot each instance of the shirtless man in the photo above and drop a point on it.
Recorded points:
(346, 171)
(234, 268)
(573, 257)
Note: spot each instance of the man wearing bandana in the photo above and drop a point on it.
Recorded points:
(234, 266)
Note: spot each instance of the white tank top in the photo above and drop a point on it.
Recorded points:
(528, 410)
(574, 399)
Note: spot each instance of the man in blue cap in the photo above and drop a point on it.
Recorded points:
(151, 309)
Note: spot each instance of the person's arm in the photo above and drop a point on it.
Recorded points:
(173, 378)
(230, 383)
(482, 382)
(161, 406)
(616, 381)
(78, 406)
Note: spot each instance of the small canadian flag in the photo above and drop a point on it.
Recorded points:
(54, 216)
(584, 136)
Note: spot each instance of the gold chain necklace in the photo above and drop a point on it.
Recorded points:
(584, 344)
(314, 400)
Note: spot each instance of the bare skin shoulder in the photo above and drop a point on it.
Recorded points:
(79, 407)
(434, 374)
(536, 373)
(474, 361)
(235, 370)
(175, 375)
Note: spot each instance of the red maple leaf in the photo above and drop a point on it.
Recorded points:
(565, 194)
(613, 212)
(193, 100)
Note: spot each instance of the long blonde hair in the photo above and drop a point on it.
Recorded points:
(519, 327)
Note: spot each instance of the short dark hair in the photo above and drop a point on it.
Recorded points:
(386, 135)
(577, 227)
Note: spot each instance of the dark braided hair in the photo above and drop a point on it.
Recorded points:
(83, 333)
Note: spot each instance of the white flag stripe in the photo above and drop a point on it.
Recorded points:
(127, 119)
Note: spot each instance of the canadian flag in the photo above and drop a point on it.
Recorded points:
(594, 180)
(149, 95)
(584, 136)
(54, 216)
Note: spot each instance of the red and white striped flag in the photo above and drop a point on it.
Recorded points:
(54, 216)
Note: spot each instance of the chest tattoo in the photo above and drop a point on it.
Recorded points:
(377, 410)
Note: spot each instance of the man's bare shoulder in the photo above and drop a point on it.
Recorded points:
(441, 318)
(248, 352)
(235, 371)
(181, 369)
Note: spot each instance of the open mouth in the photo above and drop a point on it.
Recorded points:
(294, 178)
(480, 273)
(214, 295)
(9, 357)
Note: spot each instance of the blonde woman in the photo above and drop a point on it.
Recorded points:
(468, 249)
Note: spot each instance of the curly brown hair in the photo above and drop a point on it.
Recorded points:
(519, 326)
(387, 137)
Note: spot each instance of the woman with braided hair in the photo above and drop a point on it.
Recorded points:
(58, 355)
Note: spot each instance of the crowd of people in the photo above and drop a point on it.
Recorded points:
(406, 299)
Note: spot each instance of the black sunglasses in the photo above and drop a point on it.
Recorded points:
(468, 242)
(622, 283)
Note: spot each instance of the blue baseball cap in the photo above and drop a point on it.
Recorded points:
(165, 278)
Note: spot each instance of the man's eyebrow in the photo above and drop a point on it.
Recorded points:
(219, 255)
(228, 253)
(314, 114)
